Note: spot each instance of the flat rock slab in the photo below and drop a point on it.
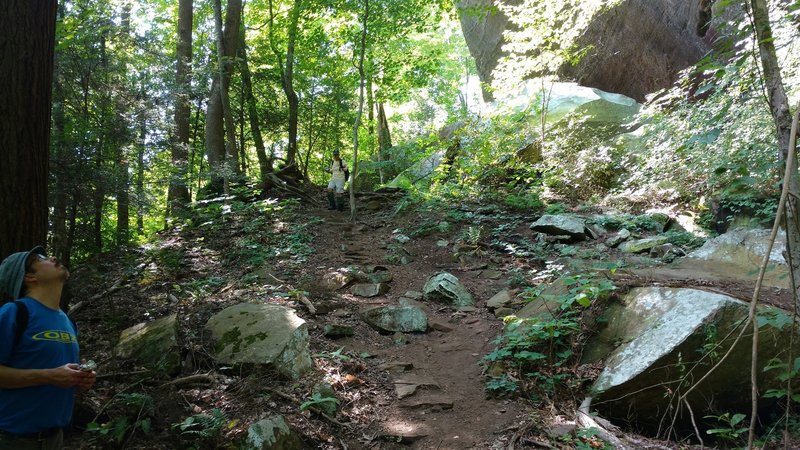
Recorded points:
(408, 385)
(398, 366)
(439, 401)
(408, 437)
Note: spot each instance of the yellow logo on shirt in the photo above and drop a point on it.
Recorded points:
(57, 336)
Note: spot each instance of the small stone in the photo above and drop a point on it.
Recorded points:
(337, 331)
(369, 290)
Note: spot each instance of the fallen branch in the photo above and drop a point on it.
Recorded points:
(200, 377)
(585, 420)
(123, 374)
(518, 435)
(119, 284)
(310, 306)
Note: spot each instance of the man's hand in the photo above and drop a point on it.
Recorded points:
(70, 375)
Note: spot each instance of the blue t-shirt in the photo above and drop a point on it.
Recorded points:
(49, 341)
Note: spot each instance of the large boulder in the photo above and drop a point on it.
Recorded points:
(635, 47)
(272, 433)
(152, 344)
(743, 247)
(261, 334)
(561, 226)
(666, 340)
(394, 318)
(642, 245)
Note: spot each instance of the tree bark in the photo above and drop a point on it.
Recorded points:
(220, 131)
(178, 194)
(27, 44)
(779, 108)
(121, 162)
(384, 137)
(287, 76)
(360, 109)
(140, 196)
(61, 161)
(264, 163)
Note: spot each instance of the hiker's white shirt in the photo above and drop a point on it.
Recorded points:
(336, 171)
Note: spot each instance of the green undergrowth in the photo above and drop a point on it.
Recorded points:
(536, 357)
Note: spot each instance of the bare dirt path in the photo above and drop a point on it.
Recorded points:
(438, 399)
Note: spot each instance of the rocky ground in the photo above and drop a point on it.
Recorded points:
(413, 390)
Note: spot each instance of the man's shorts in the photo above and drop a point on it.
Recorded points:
(336, 185)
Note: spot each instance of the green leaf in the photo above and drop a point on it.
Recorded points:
(737, 418)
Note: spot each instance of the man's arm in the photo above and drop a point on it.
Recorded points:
(65, 376)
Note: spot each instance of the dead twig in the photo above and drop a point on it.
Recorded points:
(310, 306)
(694, 424)
(518, 435)
(123, 374)
(197, 378)
(119, 284)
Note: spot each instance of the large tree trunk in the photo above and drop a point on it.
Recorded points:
(178, 194)
(220, 132)
(27, 41)
(779, 107)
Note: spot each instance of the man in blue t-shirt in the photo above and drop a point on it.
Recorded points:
(39, 371)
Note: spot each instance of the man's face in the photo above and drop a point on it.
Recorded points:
(46, 269)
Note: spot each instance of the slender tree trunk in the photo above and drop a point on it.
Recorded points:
(26, 73)
(60, 167)
(140, 196)
(220, 129)
(193, 146)
(384, 137)
(122, 164)
(360, 110)
(123, 200)
(178, 193)
(779, 108)
(100, 178)
(287, 75)
(264, 163)
(242, 138)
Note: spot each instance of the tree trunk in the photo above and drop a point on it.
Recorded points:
(220, 131)
(384, 138)
(61, 161)
(178, 193)
(140, 176)
(26, 74)
(121, 167)
(360, 110)
(264, 163)
(287, 76)
(779, 107)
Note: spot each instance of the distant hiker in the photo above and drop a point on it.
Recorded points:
(39, 371)
(339, 175)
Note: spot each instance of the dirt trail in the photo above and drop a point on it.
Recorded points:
(439, 400)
